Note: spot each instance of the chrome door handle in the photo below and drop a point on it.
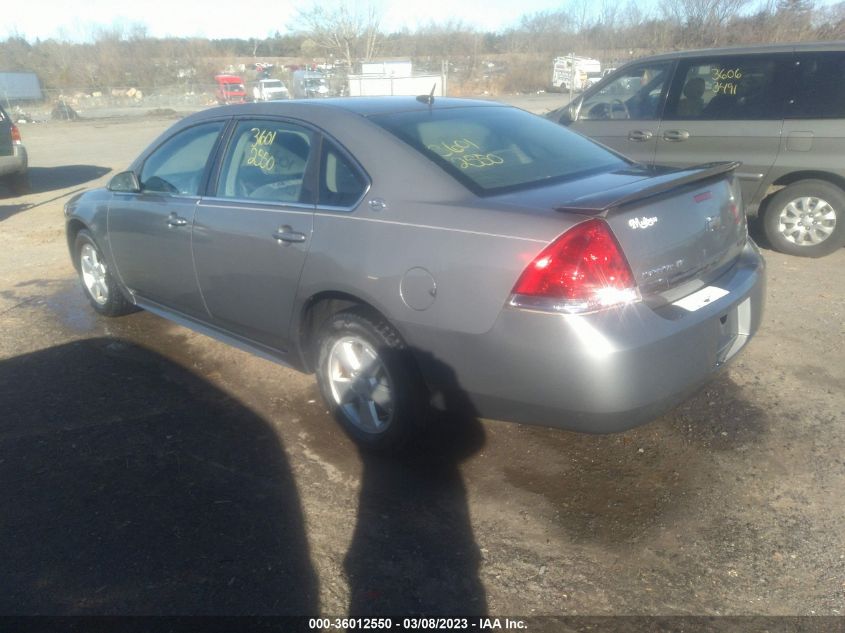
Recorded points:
(675, 135)
(175, 220)
(640, 135)
(287, 234)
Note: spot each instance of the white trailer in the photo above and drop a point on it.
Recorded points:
(378, 85)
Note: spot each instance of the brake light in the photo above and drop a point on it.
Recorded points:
(16, 135)
(583, 270)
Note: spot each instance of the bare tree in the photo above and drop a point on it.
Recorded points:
(702, 21)
(344, 29)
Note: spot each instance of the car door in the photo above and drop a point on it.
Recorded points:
(150, 231)
(624, 112)
(726, 108)
(252, 232)
(813, 136)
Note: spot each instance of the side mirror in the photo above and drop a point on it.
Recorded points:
(567, 114)
(125, 182)
(571, 112)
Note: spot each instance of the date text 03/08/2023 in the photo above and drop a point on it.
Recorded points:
(417, 624)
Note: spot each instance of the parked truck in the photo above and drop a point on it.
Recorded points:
(309, 84)
(230, 89)
(269, 90)
(575, 73)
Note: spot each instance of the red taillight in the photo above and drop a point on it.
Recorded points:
(16, 134)
(581, 271)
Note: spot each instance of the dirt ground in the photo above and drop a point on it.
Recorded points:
(145, 469)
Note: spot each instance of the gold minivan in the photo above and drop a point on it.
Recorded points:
(779, 110)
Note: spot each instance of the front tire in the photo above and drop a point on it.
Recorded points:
(367, 377)
(806, 219)
(99, 286)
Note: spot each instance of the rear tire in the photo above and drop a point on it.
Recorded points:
(806, 219)
(103, 292)
(368, 379)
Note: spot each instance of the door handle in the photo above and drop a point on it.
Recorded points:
(287, 234)
(675, 135)
(640, 135)
(175, 220)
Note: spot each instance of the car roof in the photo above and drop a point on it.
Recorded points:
(368, 106)
(756, 49)
(361, 106)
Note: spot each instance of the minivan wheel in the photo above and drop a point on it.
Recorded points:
(368, 379)
(100, 287)
(806, 219)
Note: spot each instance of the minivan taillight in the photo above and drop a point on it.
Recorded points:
(583, 270)
(16, 135)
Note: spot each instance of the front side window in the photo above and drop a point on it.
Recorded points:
(635, 94)
(496, 149)
(178, 165)
(266, 161)
(727, 88)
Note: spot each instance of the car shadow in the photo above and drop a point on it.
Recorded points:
(413, 551)
(8, 210)
(44, 179)
(132, 486)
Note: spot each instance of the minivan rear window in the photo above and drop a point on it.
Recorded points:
(492, 150)
(820, 87)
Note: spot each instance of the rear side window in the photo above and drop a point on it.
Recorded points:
(819, 91)
(493, 150)
(341, 184)
(728, 88)
(177, 166)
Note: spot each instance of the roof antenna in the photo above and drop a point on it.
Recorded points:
(429, 98)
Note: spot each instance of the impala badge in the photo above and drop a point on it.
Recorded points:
(642, 223)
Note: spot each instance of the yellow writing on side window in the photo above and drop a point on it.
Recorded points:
(726, 74)
(457, 152)
(724, 80)
(262, 137)
(259, 157)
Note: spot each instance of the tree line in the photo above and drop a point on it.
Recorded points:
(516, 58)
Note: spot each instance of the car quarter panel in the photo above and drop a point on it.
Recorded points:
(420, 269)
(602, 372)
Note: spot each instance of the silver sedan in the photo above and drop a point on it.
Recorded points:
(411, 250)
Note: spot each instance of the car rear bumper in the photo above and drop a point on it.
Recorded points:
(602, 372)
(16, 163)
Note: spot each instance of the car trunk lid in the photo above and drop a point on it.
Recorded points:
(679, 229)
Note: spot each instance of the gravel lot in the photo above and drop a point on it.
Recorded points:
(146, 469)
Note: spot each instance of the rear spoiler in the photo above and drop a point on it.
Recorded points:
(663, 181)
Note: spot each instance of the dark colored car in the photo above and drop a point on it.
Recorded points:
(13, 158)
(780, 110)
(412, 250)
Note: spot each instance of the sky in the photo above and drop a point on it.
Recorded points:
(72, 20)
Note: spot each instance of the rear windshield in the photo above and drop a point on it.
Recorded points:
(493, 150)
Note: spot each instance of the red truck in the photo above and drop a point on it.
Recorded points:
(230, 89)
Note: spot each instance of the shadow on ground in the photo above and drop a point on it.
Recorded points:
(8, 210)
(413, 551)
(45, 179)
(131, 486)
